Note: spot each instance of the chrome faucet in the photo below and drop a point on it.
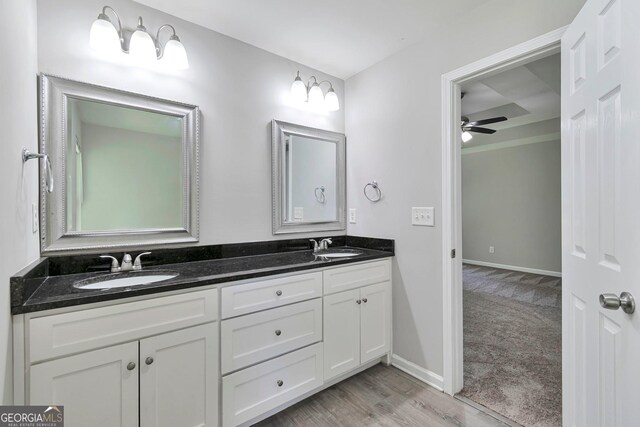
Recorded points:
(127, 265)
(322, 246)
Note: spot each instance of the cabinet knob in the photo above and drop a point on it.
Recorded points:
(364, 300)
(279, 292)
(148, 360)
(278, 332)
(280, 383)
(358, 301)
(131, 366)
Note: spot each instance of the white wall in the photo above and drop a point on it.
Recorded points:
(393, 127)
(511, 201)
(19, 189)
(238, 87)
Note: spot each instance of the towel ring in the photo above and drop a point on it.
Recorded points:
(27, 155)
(376, 187)
(320, 197)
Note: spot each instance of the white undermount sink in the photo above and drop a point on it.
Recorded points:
(338, 253)
(123, 280)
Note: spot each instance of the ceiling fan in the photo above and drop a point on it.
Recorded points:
(469, 126)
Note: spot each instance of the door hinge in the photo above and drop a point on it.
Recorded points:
(453, 253)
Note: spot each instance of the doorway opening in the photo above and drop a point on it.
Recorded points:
(493, 283)
(511, 243)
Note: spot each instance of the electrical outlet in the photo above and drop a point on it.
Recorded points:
(492, 250)
(34, 218)
(298, 214)
(352, 216)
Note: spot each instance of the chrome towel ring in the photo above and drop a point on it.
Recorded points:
(320, 197)
(377, 192)
(27, 155)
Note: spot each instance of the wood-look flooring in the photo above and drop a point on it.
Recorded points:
(381, 396)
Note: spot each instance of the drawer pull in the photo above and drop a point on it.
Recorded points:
(280, 383)
(364, 300)
(278, 332)
(279, 292)
(131, 366)
(148, 360)
(358, 301)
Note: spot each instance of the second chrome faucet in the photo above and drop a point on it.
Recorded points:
(322, 246)
(127, 265)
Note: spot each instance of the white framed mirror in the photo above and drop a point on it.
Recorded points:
(309, 183)
(125, 167)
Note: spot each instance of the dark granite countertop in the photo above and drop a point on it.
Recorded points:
(31, 294)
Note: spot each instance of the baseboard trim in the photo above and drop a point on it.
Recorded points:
(513, 267)
(424, 375)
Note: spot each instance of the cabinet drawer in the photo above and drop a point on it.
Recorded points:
(355, 276)
(257, 337)
(255, 296)
(79, 331)
(258, 389)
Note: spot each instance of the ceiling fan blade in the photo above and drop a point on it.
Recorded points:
(479, 130)
(488, 121)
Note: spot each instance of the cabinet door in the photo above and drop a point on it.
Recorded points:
(179, 378)
(341, 333)
(96, 388)
(375, 321)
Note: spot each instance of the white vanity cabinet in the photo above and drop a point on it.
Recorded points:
(357, 327)
(285, 338)
(168, 376)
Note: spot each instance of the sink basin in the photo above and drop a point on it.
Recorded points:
(124, 280)
(338, 253)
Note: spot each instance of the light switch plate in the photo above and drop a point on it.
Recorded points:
(423, 216)
(352, 216)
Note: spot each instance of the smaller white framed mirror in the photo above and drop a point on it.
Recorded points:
(309, 182)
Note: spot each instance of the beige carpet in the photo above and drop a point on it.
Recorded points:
(512, 344)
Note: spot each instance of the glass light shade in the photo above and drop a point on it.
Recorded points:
(316, 97)
(466, 136)
(175, 55)
(104, 37)
(142, 48)
(299, 90)
(331, 102)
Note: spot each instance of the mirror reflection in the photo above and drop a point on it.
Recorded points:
(124, 157)
(311, 179)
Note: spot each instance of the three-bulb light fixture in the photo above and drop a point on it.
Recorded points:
(313, 95)
(142, 47)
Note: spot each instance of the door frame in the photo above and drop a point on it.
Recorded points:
(529, 51)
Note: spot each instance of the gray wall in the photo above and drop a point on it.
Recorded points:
(394, 132)
(238, 87)
(511, 200)
(19, 189)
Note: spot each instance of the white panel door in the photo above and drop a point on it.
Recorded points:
(601, 206)
(97, 388)
(375, 321)
(341, 333)
(179, 378)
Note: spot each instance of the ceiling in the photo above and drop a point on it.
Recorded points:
(338, 37)
(529, 96)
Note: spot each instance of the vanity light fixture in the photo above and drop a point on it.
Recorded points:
(312, 93)
(142, 47)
